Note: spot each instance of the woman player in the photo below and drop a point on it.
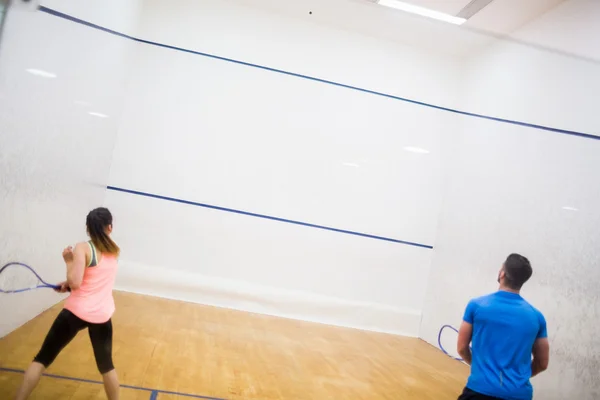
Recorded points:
(91, 270)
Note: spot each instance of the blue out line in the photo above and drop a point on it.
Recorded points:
(158, 391)
(251, 214)
(297, 75)
(153, 392)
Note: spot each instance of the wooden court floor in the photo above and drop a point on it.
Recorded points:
(167, 350)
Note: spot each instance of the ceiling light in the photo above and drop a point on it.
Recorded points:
(425, 12)
(349, 164)
(417, 150)
(568, 208)
(39, 72)
(97, 114)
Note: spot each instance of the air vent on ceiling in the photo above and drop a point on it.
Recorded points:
(473, 8)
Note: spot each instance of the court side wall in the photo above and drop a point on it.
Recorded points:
(516, 189)
(54, 156)
(227, 134)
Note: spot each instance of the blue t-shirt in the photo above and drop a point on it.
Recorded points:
(505, 326)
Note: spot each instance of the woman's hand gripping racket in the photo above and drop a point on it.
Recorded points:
(16, 277)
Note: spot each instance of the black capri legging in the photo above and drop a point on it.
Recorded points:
(63, 330)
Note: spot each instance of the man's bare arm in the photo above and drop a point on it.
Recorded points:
(541, 356)
(465, 333)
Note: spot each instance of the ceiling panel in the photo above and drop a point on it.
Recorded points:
(504, 17)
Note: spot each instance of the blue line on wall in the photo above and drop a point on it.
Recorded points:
(452, 110)
(251, 214)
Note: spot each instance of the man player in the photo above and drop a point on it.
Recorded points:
(505, 330)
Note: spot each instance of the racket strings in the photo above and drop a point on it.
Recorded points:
(16, 278)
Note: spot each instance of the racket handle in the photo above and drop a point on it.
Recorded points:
(57, 287)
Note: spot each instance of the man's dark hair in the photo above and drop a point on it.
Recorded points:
(517, 270)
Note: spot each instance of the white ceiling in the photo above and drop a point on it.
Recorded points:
(500, 18)
(506, 16)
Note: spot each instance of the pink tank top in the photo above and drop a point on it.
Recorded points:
(93, 301)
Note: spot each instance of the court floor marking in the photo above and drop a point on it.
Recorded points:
(153, 392)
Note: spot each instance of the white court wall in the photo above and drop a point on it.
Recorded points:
(231, 135)
(514, 189)
(54, 156)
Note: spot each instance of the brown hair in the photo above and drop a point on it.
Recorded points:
(96, 222)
